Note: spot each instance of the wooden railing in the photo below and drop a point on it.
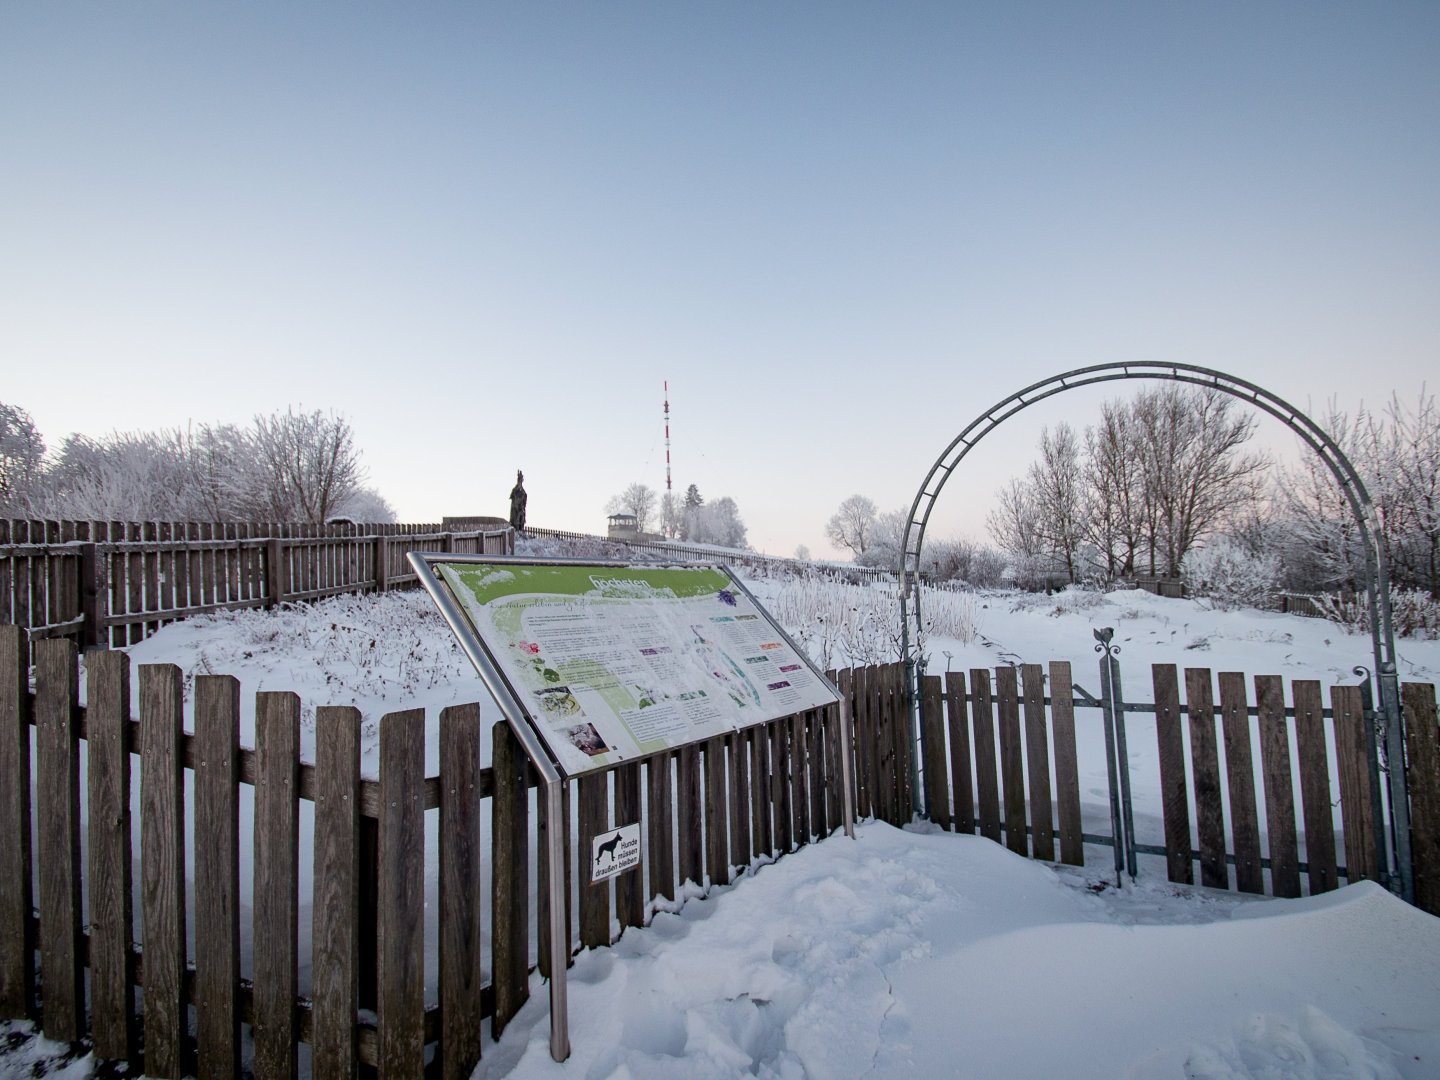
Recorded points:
(111, 584)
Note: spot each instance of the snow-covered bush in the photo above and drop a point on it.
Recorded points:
(1229, 576)
(851, 625)
(1415, 613)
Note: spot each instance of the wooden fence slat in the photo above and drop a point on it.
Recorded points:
(846, 681)
(1357, 814)
(335, 942)
(460, 907)
(834, 780)
(162, 866)
(799, 796)
(112, 921)
(887, 790)
(660, 797)
(717, 843)
(1279, 786)
(1037, 756)
(17, 938)
(780, 784)
(815, 741)
(1205, 763)
(217, 877)
(1240, 782)
(687, 814)
(1174, 792)
(987, 776)
(401, 1028)
(57, 794)
(593, 791)
(1315, 785)
(762, 820)
(865, 757)
(1067, 771)
(629, 886)
(277, 882)
(542, 875)
(738, 745)
(961, 777)
(906, 741)
(1423, 756)
(1007, 694)
(932, 731)
(509, 862)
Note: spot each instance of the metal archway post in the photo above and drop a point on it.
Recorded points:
(1377, 579)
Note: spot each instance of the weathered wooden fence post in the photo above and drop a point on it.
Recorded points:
(17, 939)
(510, 840)
(401, 1032)
(162, 891)
(460, 907)
(336, 936)
(57, 794)
(217, 876)
(112, 917)
(1424, 762)
(277, 883)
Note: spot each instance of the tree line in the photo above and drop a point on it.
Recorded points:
(293, 466)
(689, 518)
(1168, 484)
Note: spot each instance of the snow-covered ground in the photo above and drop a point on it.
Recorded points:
(917, 953)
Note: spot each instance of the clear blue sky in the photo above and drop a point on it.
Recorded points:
(487, 233)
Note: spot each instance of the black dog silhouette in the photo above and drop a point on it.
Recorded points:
(608, 847)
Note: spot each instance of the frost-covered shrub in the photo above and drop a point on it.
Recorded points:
(1414, 612)
(1067, 601)
(839, 625)
(1229, 576)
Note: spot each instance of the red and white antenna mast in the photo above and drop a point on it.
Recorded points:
(667, 436)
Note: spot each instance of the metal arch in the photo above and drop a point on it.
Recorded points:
(1382, 631)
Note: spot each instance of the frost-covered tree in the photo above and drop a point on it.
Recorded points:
(22, 459)
(887, 535)
(1397, 454)
(1056, 483)
(137, 476)
(802, 553)
(963, 560)
(291, 466)
(1113, 519)
(638, 499)
(309, 463)
(718, 522)
(850, 526)
(1407, 472)
(671, 515)
(691, 506)
(1193, 466)
(1014, 521)
(367, 506)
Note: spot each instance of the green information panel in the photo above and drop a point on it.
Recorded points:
(614, 662)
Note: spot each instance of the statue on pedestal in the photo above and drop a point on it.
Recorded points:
(517, 502)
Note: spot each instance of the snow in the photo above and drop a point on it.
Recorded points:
(915, 952)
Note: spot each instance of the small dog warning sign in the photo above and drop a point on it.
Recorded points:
(613, 852)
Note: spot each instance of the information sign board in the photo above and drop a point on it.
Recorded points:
(616, 661)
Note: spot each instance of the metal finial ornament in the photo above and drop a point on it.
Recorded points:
(1103, 636)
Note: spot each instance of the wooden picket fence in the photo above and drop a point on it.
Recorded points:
(115, 583)
(708, 811)
(997, 755)
(1000, 757)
